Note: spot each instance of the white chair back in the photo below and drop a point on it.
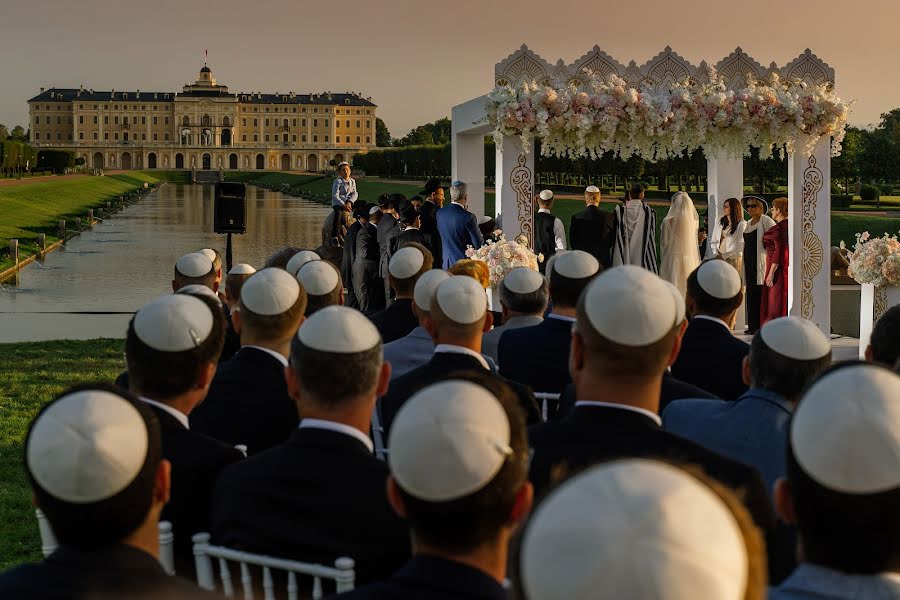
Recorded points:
(546, 398)
(342, 573)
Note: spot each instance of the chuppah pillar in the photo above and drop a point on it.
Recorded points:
(467, 164)
(514, 202)
(809, 235)
(725, 179)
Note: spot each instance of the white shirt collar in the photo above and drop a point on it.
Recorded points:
(544, 210)
(641, 411)
(339, 428)
(553, 315)
(452, 349)
(408, 227)
(714, 320)
(281, 359)
(182, 418)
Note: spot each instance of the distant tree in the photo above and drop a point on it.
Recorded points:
(428, 134)
(382, 135)
(878, 157)
(18, 134)
(4, 132)
(846, 166)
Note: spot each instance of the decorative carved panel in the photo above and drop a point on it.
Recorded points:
(813, 256)
(738, 68)
(810, 68)
(522, 65)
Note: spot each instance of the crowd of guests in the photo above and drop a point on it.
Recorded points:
(405, 433)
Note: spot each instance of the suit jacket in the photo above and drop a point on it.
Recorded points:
(396, 321)
(112, 572)
(592, 230)
(232, 339)
(491, 340)
(458, 228)
(347, 260)
(408, 352)
(538, 356)
(711, 358)
(432, 578)
(813, 582)
(388, 227)
(408, 236)
(248, 403)
(429, 228)
(441, 364)
(316, 497)
(367, 281)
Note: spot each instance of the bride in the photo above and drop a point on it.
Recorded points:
(678, 242)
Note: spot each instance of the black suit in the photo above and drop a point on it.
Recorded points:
(248, 403)
(537, 356)
(429, 228)
(112, 572)
(232, 339)
(347, 264)
(196, 462)
(591, 230)
(369, 287)
(316, 497)
(396, 321)
(408, 236)
(388, 228)
(441, 364)
(711, 358)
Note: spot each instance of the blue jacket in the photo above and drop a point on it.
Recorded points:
(712, 359)
(538, 356)
(458, 228)
(812, 582)
(409, 352)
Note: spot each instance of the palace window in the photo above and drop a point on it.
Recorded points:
(47, 119)
(155, 120)
(81, 107)
(315, 138)
(105, 120)
(276, 137)
(267, 122)
(37, 135)
(295, 122)
(124, 120)
(37, 120)
(116, 107)
(243, 122)
(80, 135)
(143, 137)
(166, 136)
(143, 120)
(368, 140)
(368, 124)
(95, 135)
(255, 122)
(357, 139)
(154, 107)
(106, 107)
(255, 137)
(326, 122)
(95, 107)
(244, 137)
(155, 136)
(95, 119)
(116, 135)
(347, 139)
(315, 109)
(315, 122)
(326, 137)
(59, 135)
(357, 111)
(116, 120)
(348, 124)
(302, 122)
(185, 121)
(337, 124)
(295, 139)
(276, 109)
(303, 109)
(294, 109)
(357, 123)
(267, 137)
(368, 112)
(166, 120)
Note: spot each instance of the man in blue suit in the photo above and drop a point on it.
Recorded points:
(457, 227)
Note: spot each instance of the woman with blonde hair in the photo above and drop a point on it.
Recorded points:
(677, 236)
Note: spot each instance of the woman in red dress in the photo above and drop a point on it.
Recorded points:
(775, 241)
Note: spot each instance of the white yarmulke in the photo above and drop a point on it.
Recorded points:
(461, 299)
(483, 219)
(680, 306)
(173, 323)
(270, 291)
(448, 441)
(406, 262)
(523, 280)
(340, 330)
(374, 210)
(719, 279)
(637, 530)
(546, 195)
(631, 306)
(551, 261)
(300, 259)
(242, 269)
(318, 277)
(423, 293)
(576, 264)
(796, 338)
(87, 447)
(195, 264)
(593, 189)
(209, 253)
(196, 289)
(845, 433)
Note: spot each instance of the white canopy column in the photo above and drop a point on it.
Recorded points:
(467, 149)
(725, 179)
(515, 190)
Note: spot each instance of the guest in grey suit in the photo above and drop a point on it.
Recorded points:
(523, 298)
(416, 348)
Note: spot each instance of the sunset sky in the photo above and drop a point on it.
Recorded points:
(416, 59)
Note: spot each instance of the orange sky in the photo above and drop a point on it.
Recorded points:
(419, 58)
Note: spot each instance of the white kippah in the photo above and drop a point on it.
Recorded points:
(173, 323)
(406, 262)
(318, 277)
(209, 253)
(631, 306)
(195, 264)
(845, 433)
(551, 261)
(269, 292)
(340, 330)
(341, 164)
(449, 440)
(87, 446)
(300, 259)
(483, 219)
(637, 530)
(196, 289)
(795, 338)
(462, 299)
(423, 293)
(523, 280)
(546, 195)
(719, 279)
(592, 189)
(576, 264)
(242, 269)
(374, 210)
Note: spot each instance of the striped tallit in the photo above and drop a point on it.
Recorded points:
(621, 250)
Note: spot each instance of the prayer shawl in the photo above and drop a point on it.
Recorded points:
(625, 247)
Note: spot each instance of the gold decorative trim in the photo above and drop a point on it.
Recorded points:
(812, 248)
(880, 304)
(520, 179)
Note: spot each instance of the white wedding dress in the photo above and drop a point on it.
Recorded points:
(678, 242)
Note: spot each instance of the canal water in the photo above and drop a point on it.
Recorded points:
(90, 288)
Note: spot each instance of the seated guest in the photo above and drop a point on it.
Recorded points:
(523, 299)
(234, 280)
(195, 268)
(538, 356)
(172, 347)
(842, 488)
(416, 348)
(457, 318)
(216, 259)
(322, 283)
(476, 269)
(639, 530)
(785, 356)
(95, 463)
(884, 344)
(406, 266)
(248, 402)
(280, 257)
(711, 357)
(458, 477)
(300, 259)
(320, 495)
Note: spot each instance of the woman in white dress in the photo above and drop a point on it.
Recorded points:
(678, 242)
(755, 258)
(731, 243)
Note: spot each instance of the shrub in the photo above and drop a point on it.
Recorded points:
(56, 161)
(868, 193)
(841, 200)
(772, 188)
(887, 189)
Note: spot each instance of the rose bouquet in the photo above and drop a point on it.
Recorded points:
(876, 260)
(502, 256)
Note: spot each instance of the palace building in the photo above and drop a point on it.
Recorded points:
(203, 127)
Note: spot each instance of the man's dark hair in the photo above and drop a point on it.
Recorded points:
(358, 373)
(532, 303)
(95, 524)
(281, 257)
(636, 191)
(708, 304)
(463, 524)
(565, 291)
(785, 376)
(387, 202)
(885, 340)
(162, 375)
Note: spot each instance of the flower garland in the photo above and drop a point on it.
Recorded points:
(875, 260)
(502, 256)
(655, 124)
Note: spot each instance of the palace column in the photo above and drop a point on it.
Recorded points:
(725, 179)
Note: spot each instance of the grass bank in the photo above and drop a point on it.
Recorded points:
(32, 374)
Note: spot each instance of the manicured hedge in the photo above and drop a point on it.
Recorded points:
(55, 160)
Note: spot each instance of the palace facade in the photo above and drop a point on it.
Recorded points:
(203, 127)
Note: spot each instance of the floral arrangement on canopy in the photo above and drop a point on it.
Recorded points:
(655, 124)
(875, 260)
(502, 256)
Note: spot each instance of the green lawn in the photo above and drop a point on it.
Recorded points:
(32, 374)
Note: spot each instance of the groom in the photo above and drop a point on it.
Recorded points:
(635, 231)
